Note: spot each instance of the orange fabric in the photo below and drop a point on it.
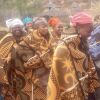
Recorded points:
(69, 62)
(54, 21)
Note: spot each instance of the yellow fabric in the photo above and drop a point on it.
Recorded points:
(63, 83)
(38, 76)
(37, 41)
(41, 45)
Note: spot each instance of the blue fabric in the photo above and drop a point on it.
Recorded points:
(94, 43)
(1, 98)
(27, 20)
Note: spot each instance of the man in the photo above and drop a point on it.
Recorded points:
(73, 75)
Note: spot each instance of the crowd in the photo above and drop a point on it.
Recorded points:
(40, 61)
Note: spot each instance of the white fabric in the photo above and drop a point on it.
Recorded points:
(8, 23)
(14, 22)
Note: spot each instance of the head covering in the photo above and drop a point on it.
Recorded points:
(54, 21)
(40, 20)
(27, 20)
(81, 18)
(8, 23)
(14, 22)
(35, 19)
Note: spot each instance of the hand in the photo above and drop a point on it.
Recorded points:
(34, 61)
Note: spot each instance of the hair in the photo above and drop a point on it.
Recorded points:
(83, 46)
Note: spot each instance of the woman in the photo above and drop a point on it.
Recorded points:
(28, 23)
(57, 29)
(6, 50)
(73, 75)
(31, 64)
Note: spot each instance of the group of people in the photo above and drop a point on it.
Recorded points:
(39, 61)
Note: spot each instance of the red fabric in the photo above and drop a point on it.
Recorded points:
(81, 18)
(54, 21)
(29, 25)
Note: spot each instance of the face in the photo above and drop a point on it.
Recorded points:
(28, 25)
(43, 29)
(59, 29)
(85, 30)
(17, 31)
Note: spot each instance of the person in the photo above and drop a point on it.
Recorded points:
(97, 19)
(29, 65)
(1, 98)
(7, 44)
(94, 47)
(73, 75)
(53, 21)
(41, 35)
(16, 33)
(28, 23)
(57, 29)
